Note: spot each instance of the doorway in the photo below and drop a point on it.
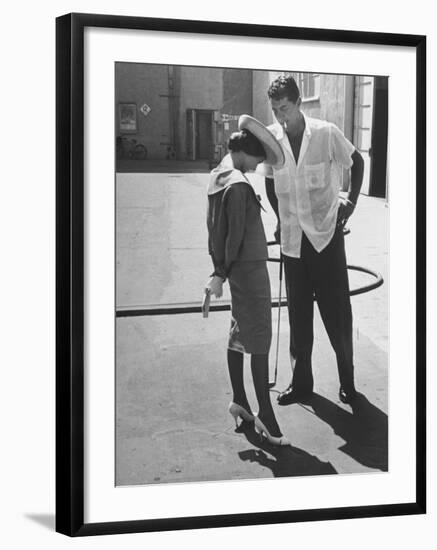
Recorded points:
(363, 119)
(204, 134)
(378, 182)
(200, 134)
(371, 132)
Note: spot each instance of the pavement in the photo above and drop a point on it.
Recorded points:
(172, 385)
(147, 166)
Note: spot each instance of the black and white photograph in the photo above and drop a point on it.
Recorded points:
(252, 274)
(218, 275)
(240, 255)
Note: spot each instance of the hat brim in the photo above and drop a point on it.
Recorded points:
(274, 152)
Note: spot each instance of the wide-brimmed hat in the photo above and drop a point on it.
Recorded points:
(274, 152)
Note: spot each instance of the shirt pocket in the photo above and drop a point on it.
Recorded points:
(315, 175)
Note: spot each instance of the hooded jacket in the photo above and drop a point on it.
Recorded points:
(235, 229)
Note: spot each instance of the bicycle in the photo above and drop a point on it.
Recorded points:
(130, 148)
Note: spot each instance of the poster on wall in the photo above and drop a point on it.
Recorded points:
(127, 113)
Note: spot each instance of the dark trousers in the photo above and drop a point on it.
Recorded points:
(322, 275)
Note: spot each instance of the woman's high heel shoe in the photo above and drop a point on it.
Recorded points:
(239, 411)
(263, 431)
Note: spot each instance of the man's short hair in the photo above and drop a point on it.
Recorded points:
(284, 87)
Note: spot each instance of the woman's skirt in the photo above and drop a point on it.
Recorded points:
(251, 323)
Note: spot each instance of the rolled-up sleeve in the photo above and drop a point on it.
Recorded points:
(341, 148)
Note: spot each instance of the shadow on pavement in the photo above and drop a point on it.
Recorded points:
(287, 461)
(163, 166)
(365, 430)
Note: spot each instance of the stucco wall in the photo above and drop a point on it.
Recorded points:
(330, 106)
(261, 105)
(143, 83)
(237, 91)
(237, 100)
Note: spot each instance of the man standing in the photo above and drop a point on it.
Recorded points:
(305, 196)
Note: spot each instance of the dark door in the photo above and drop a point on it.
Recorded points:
(203, 134)
(378, 183)
(191, 134)
(363, 119)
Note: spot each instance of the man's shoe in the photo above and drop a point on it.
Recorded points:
(347, 397)
(290, 396)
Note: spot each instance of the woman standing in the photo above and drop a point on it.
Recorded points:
(238, 249)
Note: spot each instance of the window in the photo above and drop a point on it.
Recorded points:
(309, 85)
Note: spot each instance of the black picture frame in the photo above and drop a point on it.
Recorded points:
(70, 273)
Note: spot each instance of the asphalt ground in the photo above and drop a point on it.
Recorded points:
(172, 385)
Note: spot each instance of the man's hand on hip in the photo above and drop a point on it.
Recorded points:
(277, 233)
(345, 210)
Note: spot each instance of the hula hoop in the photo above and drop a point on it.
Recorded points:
(184, 308)
(360, 290)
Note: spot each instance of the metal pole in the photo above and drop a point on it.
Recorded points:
(273, 384)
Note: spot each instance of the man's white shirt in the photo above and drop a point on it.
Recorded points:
(308, 191)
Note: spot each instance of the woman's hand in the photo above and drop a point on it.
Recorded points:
(215, 286)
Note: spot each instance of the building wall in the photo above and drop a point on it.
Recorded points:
(261, 105)
(171, 91)
(143, 83)
(237, 92)
(200, 88)
(237, 100)
(331, 105)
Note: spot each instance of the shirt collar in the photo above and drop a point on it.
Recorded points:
(280, 133)
(307, 129)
